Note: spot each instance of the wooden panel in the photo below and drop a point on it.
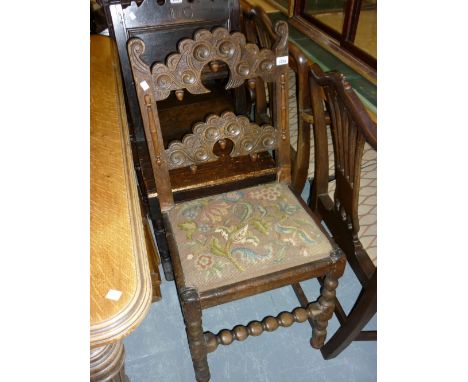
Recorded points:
(118, 255)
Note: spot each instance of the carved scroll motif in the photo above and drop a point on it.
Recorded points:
(196, 148)
(183, 69)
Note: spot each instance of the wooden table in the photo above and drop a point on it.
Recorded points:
(121, 290)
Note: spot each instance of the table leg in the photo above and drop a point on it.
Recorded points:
(107, 363)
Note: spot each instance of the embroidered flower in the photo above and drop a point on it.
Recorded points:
(204, 227)
(233, 196)
(265, 193)
(191, 212)
(214, 212)
(204, 262)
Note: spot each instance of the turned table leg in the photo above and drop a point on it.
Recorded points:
(107, 363)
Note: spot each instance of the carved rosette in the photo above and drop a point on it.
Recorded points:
(183, 69)
(196, 148)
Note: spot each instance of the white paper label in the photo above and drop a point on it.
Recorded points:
(132, 16)
(282, 60)
(176, 1)
(144, 85)
(113, 295)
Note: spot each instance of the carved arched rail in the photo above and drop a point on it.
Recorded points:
(197, 148)
(319, 312)
(183, 69)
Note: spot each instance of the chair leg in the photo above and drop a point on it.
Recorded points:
(160, 235)
(363, 310)
(325, 307)
(191, 310)
(164, 255)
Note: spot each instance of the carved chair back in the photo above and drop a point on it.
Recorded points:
(350, 127)
(182, 72)
(160, 25)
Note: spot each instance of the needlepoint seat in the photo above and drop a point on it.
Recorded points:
(239, 235)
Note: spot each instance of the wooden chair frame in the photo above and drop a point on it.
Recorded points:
(350, 127)
(182, 73)
(312, 114)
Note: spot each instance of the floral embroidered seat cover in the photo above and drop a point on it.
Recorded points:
(238, 235)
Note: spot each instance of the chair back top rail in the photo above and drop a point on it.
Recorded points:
(183, 70)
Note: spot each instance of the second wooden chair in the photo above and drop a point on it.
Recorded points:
(350, 128)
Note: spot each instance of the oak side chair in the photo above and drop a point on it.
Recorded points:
(350, 128)
(230, 245)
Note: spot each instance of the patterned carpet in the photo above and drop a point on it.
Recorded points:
(368, 190)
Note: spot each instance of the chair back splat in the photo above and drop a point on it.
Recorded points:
(182, 72)
(350, 126)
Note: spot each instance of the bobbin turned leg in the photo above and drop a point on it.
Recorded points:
(191, 310)
(322, 310)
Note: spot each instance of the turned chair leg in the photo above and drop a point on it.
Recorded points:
(191, 310)
(323, 308)
(361, 313)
